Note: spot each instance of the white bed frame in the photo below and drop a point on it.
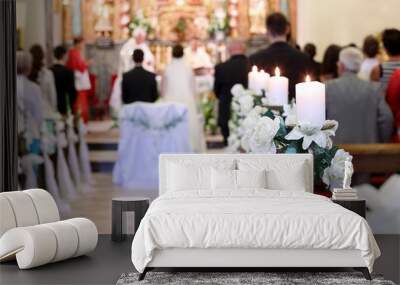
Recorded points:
(251, 258)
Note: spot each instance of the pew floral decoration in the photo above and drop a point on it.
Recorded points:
(256, 128)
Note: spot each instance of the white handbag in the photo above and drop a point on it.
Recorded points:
(82, 80)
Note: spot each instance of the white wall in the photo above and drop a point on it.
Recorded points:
(324, 22)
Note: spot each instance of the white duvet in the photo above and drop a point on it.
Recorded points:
(250, 219)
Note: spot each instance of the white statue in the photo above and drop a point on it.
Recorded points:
(348, 173)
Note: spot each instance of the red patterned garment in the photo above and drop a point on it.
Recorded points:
(393, 100)
(77, 63)
(75, 60)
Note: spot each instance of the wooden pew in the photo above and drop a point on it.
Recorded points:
(374, 158)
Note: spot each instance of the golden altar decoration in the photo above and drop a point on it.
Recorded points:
(246, 18)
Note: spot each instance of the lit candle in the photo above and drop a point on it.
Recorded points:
(253, 77)
(278, 89)
(258, 80)
(310, 102)
(264, 79)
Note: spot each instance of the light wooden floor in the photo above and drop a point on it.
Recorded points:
(94, 200)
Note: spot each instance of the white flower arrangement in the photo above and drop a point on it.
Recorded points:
(243, 100)
(289, 112)
(254, 128)
(310, 133)
(260, 137)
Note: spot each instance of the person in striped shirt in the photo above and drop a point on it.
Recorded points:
(391, 43)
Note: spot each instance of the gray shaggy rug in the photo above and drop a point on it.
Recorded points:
(244, 278)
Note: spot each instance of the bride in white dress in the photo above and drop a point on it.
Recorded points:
(178, 85)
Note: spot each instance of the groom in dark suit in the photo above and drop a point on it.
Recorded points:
(292, 63)
(139, 84)
(227, 74)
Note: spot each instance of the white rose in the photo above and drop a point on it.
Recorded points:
(233, 143)
(235, 106)
(237, 90)
(250, 120)
(260, 140)
(246, 104)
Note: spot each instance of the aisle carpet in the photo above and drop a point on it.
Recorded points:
(244, 278)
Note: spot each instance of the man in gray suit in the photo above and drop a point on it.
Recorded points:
(358, 105)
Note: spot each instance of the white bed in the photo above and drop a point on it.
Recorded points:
(203, 220)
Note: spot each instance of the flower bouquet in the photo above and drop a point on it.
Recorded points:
(256, 128)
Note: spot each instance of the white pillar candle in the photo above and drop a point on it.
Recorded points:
(258, 80)
(310, 102)
(264, 79)
(278, 89)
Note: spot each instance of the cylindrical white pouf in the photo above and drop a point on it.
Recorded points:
(87, 235)
(34, 246)
(67, 240)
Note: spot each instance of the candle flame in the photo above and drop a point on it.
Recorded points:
(308, 78)
(254, 68)
(277, 71)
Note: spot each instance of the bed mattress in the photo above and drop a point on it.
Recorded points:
(250, 219)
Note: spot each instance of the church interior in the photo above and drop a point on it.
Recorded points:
(105, 101)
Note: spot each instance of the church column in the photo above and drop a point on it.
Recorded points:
(8, 123)
(49, 31)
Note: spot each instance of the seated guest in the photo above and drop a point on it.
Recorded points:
(371, 51)
(233, 71)
(139, 84)
(329, 63)
(41, 75)
(358, 105)
(311, 50)
(391, 43)
(64, 80)
(292, 63)
(393, 99)
(29, 103)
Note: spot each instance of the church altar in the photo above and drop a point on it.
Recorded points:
(107, 24)
(170, 20)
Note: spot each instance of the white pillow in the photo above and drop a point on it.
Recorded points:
(186, 174)
(226, 179)
(282, 174)
(223, 179)
(279, 180)
(181, 178)
(251, 179)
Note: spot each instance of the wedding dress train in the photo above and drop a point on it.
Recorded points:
(178, 85)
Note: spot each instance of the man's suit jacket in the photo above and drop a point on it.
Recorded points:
(65, 87)
(231, 72)
(139, 84)
(292, 63)
(360, 109)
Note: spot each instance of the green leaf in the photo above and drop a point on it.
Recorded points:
(268, 114)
